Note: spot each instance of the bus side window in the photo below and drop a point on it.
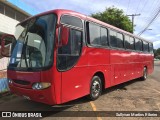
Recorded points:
(104, 37)
(69, 54)
(97, 36)
(120, 40)
(138, 45)
(132, 43)
(113, 38)
(145, 46)
(150, 47)
(127, 43)
(94, 34)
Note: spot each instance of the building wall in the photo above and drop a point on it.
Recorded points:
(7, 24)
(9, 18)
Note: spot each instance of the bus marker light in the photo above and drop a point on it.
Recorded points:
(40, 85)
(26, 97)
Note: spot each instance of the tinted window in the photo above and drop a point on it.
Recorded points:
(97, 36)
(35, 41)
(145, 46)
(119, 40)
(113, 38)
(104, 37)
(127, 43)
(69, 54)
(131, 43)
(94, 34)
(151, 47)
(70, 20)
(138, 44)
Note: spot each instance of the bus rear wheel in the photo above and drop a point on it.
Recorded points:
(144, 77)
(95, 88)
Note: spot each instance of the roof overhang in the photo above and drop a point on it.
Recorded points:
(15, 7)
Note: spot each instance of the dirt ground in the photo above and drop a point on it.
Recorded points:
(136, 95)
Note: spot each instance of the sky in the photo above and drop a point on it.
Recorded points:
(147, 9)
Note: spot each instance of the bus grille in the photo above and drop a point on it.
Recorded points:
(21, 82)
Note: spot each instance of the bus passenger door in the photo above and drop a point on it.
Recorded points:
(71, 62)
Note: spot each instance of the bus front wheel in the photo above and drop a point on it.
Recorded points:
(95, 88)
(144, 77)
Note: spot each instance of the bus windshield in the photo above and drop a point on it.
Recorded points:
(34, 43)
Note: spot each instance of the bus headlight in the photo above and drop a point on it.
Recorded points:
(40, 85)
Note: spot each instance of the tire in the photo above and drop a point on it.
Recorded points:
(95, 88)
(144, 77)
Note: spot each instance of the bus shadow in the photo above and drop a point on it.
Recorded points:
(121, 86)
(60, 109)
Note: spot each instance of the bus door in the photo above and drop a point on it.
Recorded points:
(71, 63)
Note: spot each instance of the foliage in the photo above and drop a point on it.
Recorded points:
(115, 17)
(157, 53)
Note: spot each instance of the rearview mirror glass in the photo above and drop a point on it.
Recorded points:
(7, 42)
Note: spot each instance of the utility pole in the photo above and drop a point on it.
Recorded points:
(133, 15)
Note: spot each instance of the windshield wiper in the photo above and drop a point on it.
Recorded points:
(24, 51)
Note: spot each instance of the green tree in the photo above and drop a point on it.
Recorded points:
(158, 51)
(115, 17)
(155, 52)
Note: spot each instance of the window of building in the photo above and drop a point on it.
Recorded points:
(150, 47)
(1, 8)
(12, 13)
(20, 16)
(9, 12)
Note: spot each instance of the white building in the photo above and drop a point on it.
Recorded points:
(10, 16)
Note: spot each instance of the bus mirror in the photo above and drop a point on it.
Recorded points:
(64, 35)
(7, 42)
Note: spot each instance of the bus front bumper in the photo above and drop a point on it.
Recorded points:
(44, 96)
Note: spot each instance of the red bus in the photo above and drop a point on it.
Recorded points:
(62, 55)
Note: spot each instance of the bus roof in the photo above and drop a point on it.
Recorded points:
(87, 18)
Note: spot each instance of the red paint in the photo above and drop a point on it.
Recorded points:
(118, 66)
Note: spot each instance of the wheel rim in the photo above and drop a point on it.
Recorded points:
(95, 88)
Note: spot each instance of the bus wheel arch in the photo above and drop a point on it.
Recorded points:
(96, 86)
(101, 75)
(145, 73)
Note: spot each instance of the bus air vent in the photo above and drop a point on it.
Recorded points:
(21, 82)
